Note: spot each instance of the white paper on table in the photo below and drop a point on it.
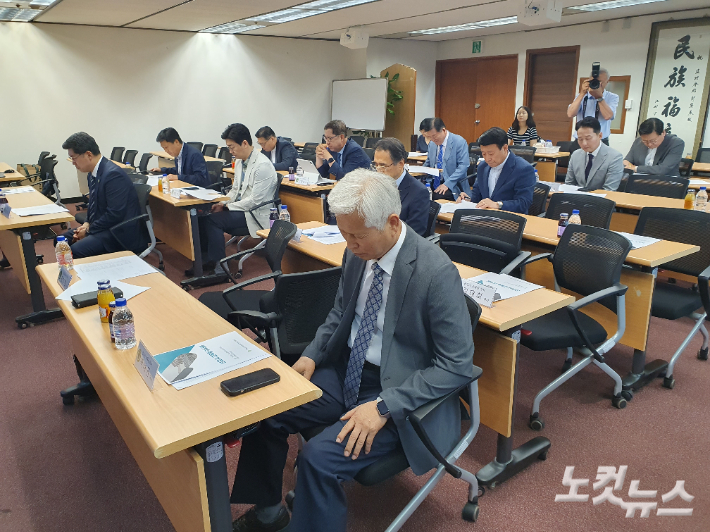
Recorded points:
(449, 208)
(424, 170)
(416, 154)
(153, 181)
(327, 234)
(85, 286)
(588, 194)
(504, 285)
(16, 190)
(39, 210)
(638, 241)
(699, 182)
(113, 269)
(201, 193)
(567, 188)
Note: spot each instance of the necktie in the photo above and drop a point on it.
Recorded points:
(353, 374)
(588, 168)
(440, 157)
(93, 199)
(338, 158)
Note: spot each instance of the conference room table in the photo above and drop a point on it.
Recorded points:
(174, 435)
(176, 222)
(701, 167)
(17, 243)
(497, 350)
(639, 274)
(165, 160)
(9, 175)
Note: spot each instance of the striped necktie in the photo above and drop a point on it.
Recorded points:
(440, 158)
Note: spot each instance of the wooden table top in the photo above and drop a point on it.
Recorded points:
(164, 155)
(544, 230)
(14, 175)
(504, 314)
(699, 183)
(639, 201)
(168, 318)
(31, 199)
(701, 167)
(185, 201)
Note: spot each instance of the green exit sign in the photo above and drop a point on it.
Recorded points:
(477, 47)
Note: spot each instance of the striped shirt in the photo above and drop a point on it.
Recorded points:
(530, 134)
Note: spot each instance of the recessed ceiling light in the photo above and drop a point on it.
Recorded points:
(12, 14)
(613, 4)
(470, 26)
(232, 27)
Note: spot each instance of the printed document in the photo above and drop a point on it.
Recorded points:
(505, 286)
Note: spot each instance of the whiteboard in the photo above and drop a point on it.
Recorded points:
(360, 103)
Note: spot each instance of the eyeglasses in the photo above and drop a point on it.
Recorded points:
(380, 166)
(75, 157)
(329, 139)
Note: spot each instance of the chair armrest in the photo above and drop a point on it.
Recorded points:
(274, 201)
(142, 217)
(266, 317)
(434, 239)
(516, 263)
(255, 280)
(703, 289)
(223, 262)
(616, 290)
(252, 319)
(548, 256)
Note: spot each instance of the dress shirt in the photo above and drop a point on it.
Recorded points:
(399, 179)
(178, 160)
(650, 156)
(374, 352)
(273, 155)
(494, 174)
(95, 171)
(611, 99)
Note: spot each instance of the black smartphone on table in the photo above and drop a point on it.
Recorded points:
(249, 382)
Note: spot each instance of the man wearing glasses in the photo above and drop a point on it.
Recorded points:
(339, 155)
(449, 153)
(655, 152)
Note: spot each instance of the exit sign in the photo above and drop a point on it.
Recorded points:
(477, 47)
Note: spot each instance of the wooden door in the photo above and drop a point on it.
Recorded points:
(495, 93)
(550, 86)
(456, 95)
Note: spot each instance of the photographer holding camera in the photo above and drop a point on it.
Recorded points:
(595, 101)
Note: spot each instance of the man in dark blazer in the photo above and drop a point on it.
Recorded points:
(279, 151)
(339, 155)
(398, 337)
(505, 181)
(390, 156)
(112, 200)
(655, 152)
(190, 164)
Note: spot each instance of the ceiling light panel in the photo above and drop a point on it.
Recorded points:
(613, 4)
(470, 26)
(12, 14)
(232, 27)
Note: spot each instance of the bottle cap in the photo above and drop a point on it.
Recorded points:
(61, 239)
(165, 175)
(575, 211)
(283, 207)
(702, 188)
(103, 282)
(112, 304)
(121, 302)
(563, 214)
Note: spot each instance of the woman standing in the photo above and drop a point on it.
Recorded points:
(523, 131)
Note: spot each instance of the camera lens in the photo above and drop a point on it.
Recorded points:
(594, 84)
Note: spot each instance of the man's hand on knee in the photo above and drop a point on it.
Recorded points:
(305, 366)
(364, 421)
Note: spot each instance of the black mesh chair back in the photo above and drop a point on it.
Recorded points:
(593, 210)
(539, 202)
(224, 154)
(42, 155)
(370, 152)
(588, 259)
(623, 183)
(565, 146)
(130, 157)
(434, 209)
(309, 151)
(209, 150)
(663, 186)
(703, 155)
(279, 235)
(196, 145)
(143, 165)
(138, 179)
(124, 233)
(474, 148)
(359, 139)
(303, 300)
(117, 153)
(214, 170)
(679, 225)
(685, 167)
(526, 152)
(371, 142)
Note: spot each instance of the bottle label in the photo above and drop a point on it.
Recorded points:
(560, 230)
(103, 312)
(126, 331)
(111, 331)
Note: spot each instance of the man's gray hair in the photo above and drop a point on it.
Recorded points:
(603, 71)
(372, 195)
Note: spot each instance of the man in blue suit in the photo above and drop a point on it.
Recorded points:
(449, 153)
(279, 151)
(390, 156)
(505, 181)
(339, 155)
(112, 200)
(190, 164)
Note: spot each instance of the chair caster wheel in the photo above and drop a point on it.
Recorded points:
(542, 456)
(187, 288)
(703, 354)
(566, 366)
(22, 325)
(470, 512)
(627, 394)
(669, 382)
(68, 400)
(161, 267)
(536, 423)
(290, 496)
(40, 259)
(492, 485)
(619, 402)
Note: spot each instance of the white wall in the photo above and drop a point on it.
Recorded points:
(123, 85)
(622, 51)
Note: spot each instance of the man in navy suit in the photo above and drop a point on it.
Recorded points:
(190, 164)
(505, 181)
(278, 150)
(449, 153)
(112, 200)
(390, 157)
(339, 155)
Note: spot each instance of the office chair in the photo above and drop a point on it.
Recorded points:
(563, 162)
(196, 145)
(703, 155)
(624, 181)
(434, 208)
(214, 170)
(117, 153)
(487, 240)
(358, 139)
(526, 152)
(143, 165)
(662, 186)
(209, 150)
(225, 156)
(539, 202)
(394, 463)
(371, 142)
(146, 242)
(138, 179)
(474, 148)
(309, 151)
(685, 167)
(129, 157)
(671, 301)
(42, 155)
(588, 261)
(370, 152)
(593, 210)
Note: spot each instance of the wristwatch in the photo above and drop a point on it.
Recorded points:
(600, 99)
(330, 161)
(382, 408)
(500, 205)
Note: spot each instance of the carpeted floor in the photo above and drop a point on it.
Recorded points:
(67, 469)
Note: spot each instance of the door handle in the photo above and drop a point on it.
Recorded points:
(477, 106)
(478, 121)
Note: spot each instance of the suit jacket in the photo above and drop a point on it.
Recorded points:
(514, 187)
(285, 155)
(666, 160)
(353, 157)
(258, 186)
(606, 172)
(116, 201)
(426, 352)
(192, 166)
(415, 204)
(422, 146)
(456, 163)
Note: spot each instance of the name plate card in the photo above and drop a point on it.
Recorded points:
(64, 278)
(146, 365)
(480, 293)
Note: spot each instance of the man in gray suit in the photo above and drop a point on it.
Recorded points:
(398, 336)
(596, 165)
(654, 152)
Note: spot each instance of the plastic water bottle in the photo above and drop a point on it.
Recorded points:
(701, 200)
(124, 329)
(299, 171)
(285, 214)
(166, 184)
(428, 189)
(548, 144)
(575, 218)
(273, 216)
(111, 312)
(537, 176)
(64, 254)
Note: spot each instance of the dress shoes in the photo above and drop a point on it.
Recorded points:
(249, 522)
(207, 268)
